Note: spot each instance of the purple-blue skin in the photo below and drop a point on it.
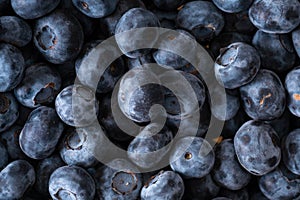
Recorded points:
(168, 4)
(275, 16)
(275, 185)
(110, 76)
(10, 139)
(74, 148)
(96, 9)
(193, 157)
(71, 182)
(9, 112)
(239, 23)
(12, 66)
(237, 65)
(291, 151)
(167, 185)
(257, 148)
(41, 133)
(264, 97)
(296, 40)
(108, 23)
(15, 31)
(140, 61)
(142, 150)
(233, 6)
(132, 19)
(276, 50)
(227, 171)
(205, 23)
(15, 179)
(204, 188)
(39, 86)
(3, 156)
(86, 106)
(58, 37)
(292, 86)
(168, 59)
(44, 170)
(225, 39)
(32, 9)
(121, 183)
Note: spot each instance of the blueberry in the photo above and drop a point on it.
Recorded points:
(205, 22)
(121, 182)
(15, 31)
(275, 185)
(239, 23)
(149, 147)
(256, 146)
(237, 65)
(133, 19)
(96, 9)
(225, 39)
(11, 67)
(282, 124)
(234, 194)
(296, 40)
(74, 149)
(109, 77)
(176, 42)
(40, 85)
(15, 179)
(293, 89)
(3, 156)
(41, 132)
(167, 18)
(204, 188)
(9, 112)
(168, 4)
(275, 16)
(108, 23)
(10, 139)
(264, 97)
(276, 50)
(141, 61)
(166, 185)
(76, 106)
(193, 157)
(233, 6)
(290, 151)
(44, 170)
(71, 182)
(135, 103)
(227, 171)
(58, 37)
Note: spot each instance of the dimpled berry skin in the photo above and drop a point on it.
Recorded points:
(58, 37)
(276, 50)
(205, 23)
(264, 97)
(40, 85)
(291, 151)
(71, 182)
(9, 112)
(41, 132)
(32, 9)
(166, 185)
(15, 31)
(192, 157)
(12, 66)
(227, 171)
(275, 16)
(15, 179)
(256, 146)
(121, 183)
(237, 65)
(133, 19)
(292, 85)
(233, 6)
(276, 186)
(76, 106)
(96, 9)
